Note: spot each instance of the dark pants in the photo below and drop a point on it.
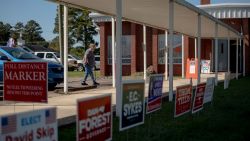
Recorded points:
(88, 71)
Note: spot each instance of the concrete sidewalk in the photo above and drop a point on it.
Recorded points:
(66, 103)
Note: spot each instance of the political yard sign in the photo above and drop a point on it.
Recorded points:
(132, 112)
(198, 98)
(154, 93)
(26, 81)
(94, 118)
(209, 91)
(38, 125)
(183, 100)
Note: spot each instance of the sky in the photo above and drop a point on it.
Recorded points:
(44, 12)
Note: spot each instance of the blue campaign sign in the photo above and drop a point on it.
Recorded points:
(154, 93)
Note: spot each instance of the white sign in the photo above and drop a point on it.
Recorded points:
(38, 125)
(205, 66)
(227, 80)
(192, 67)
(209, 91)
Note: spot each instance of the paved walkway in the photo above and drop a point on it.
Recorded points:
(66, 103)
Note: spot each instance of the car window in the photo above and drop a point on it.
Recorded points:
(41, 55)
(69, 57)
(49, 55)
(97, 58)
(57, 55)
(19, 53)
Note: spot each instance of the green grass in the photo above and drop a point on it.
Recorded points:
(226, 119)
(81, 74)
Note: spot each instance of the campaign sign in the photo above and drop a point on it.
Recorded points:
(209, 90)
(154, 93)
(94, 118)
(183, 100)
(132, 112)
(205, 66)
(25, 81)
(198, 98)
(38, 125)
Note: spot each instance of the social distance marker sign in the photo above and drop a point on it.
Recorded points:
(198, 98)
(94, 118)
(154, 93)
(183, 100)
(26, 81)
(132, 112)
(38, 125)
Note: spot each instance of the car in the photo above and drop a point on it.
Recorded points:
(80, 66)
(97, 62)
(55, 57)
(51, 56)
(17, 54)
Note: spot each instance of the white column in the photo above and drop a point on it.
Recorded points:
(65, 49)
(171, 43)
(240, 55)
(166, 55)
(199, 48)
(228, 55)
(60, 19)
(237, 57)
(118, 65)
(144, 53)
(182, 59)
(195, 48)
(216, 54)
(244, 58)
(113, 51)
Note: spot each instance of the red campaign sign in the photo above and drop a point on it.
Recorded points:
(94, 118)
(199, 96)
(26, 81)
(183, 100)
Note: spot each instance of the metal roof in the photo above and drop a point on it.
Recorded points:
(154, 13)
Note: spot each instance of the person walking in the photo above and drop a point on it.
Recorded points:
(89, 64)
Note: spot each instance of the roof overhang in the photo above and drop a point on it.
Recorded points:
(228, 10)
(154, 13)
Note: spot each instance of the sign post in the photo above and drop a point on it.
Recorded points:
(155, 93)
(183, 100)
(94, 118)
(132, 112)
(209, 90)
(26, 81)
(39, 125)
(198, 98)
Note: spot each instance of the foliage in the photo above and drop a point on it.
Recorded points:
(5, 32)
(31, 33)
(81, 27)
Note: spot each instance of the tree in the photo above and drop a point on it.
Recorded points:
(32, 33)
(5, 32)
(81, 27)
(18, 28)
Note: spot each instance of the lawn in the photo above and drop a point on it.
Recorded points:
(81, 74)
(226, 119)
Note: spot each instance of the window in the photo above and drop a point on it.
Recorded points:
(176, 50)
(41, 55)
(49, 55)
(97, 58)
(69, 57)
(126, 49)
